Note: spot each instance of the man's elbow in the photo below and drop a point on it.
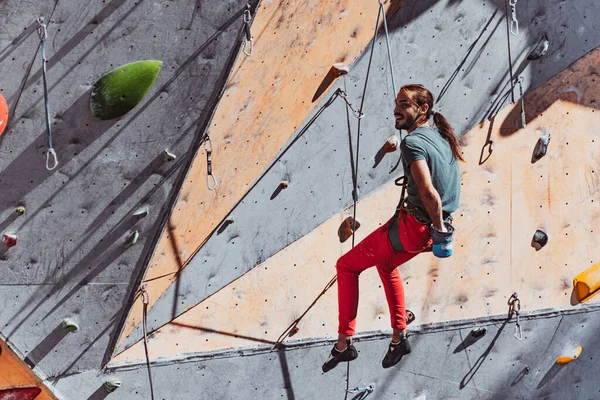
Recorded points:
(429, 196)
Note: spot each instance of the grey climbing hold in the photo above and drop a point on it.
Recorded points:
(168, 156)
(141, 212)
(540, 239)
(111, 385)
(132, 239)
(540, 49)
(541, 147)
(70, 325)
(20, 210)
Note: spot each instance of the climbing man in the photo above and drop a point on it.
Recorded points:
(430, 159)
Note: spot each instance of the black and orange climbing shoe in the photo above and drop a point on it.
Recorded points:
(395, 352)
(337, 356)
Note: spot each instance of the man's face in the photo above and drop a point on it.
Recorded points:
(406, 112)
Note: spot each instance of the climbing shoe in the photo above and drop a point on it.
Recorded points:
(337, 356)
(395, 352)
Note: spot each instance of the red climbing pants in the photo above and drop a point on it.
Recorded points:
(376, 250)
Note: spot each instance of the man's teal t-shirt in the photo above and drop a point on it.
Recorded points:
(426, 143)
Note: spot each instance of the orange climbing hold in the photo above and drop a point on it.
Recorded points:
(587, 283)
(569, 356)
(3, 114)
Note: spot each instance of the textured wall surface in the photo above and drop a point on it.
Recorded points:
(446, 363)
(70, 260)
(473, 43)
(504, 197)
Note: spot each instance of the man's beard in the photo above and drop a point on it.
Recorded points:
(407, 123)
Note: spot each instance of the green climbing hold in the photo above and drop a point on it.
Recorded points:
(117, 92)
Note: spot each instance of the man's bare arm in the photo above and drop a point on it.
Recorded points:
(427, 193)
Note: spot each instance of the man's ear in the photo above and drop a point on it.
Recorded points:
(424, 108)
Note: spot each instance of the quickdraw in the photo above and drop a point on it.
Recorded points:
(248, 41)
(43, 34)
(514, 308)
(211, 180)
(514, 22)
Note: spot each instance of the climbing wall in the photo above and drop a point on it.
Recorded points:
(71, 259)
(447, 361)
(317, 165)
(505, 199)
(228, 270)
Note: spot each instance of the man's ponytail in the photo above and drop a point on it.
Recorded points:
(445, 129)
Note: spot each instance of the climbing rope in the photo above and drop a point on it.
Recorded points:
(248, 41)
(43, 34)
(514, 308)
(211, 180)
(293, 328)
(145, 302)
(509, 27)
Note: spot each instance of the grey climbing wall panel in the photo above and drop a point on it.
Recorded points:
(70, 259)
(459, 50)
(446, 362)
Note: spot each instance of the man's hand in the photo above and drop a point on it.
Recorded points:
(428, 194)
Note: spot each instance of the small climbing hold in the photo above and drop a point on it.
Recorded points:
(540, 239)
(111, 385)
(70, 325)
(341, 69)
(3, 114)
(479, 332)
(541, 147)
(540, 49)
(345, 229)
(284, 184)
(132, 238)
(9, 239)
(391, 144)
(120, 90)
(569, 356)
(20, 210)
(230, 220)
(369, 389)
(168, 156)
(587, 284)
(141, 212)
(294, 331)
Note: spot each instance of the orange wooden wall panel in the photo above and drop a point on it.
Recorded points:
(14, 373)
(266, 99)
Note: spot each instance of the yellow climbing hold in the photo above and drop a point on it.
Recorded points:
(569, 356)
(587, 283)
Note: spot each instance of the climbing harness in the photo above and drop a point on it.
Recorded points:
(514, 308)
(43, 34)
(520, 80)
(211, 180)
(248, 41)
(514, 22)
(369, 389)
(145, 302)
